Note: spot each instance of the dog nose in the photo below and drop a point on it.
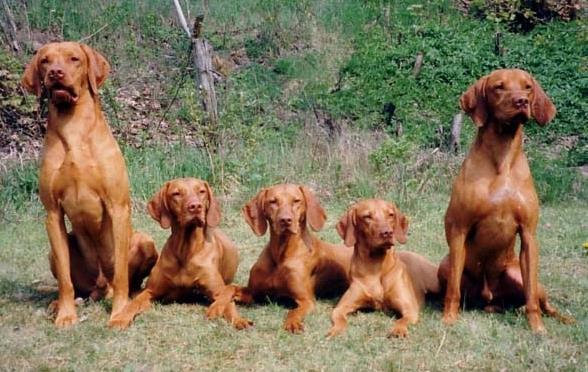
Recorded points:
(194, 206)
(386, 233)
(55, 73)
(520, 101)
(286, 220)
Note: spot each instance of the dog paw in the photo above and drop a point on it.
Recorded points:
(294, 326)
(449, 318)
(242, 323)
(66, 318)
(398, 332)
(215, 310)
(119, 322)
(334, 331)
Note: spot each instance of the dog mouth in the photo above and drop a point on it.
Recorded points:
(61, 94)
(196, 219)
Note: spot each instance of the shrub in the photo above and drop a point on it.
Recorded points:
(521, 15)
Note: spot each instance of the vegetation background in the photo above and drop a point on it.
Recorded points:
(314, 92)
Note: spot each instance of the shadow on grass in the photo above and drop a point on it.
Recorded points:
(36, 294)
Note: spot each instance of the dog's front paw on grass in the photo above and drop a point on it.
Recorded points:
(119, 322)
(398, 331)
(65, 315)
(242, 323)
(294, 326)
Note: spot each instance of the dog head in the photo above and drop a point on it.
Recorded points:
(185, 202)
(510, 96)
(66, 70)
(376, 224)
(287, 208)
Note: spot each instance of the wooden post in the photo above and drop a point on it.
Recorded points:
(205, 72)
(455, 131)
(203, 63)
(418, 64)
(498, 50)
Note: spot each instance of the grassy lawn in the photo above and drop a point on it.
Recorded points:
(177, 336)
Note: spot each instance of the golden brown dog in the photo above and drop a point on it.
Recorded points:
(382, 278)
(494, 200)
(294, 264)
(83, 176)
(197, 257)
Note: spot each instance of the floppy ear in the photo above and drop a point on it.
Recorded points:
(253, 214)
(401, 228)
(473, 102)
(213, 214)
(98, 68)
(30, 79)
(315, 214)
(346, 227)
(542, 109)
(157, 207)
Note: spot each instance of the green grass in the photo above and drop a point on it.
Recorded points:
(177, 336)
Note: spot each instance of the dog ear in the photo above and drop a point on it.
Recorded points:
(157, 207)
(30, 79)
(315, 214)
(346, 227)
(473, 102)
(98, 68)
(213, 214)
(401, 227)
(254, 215)
(542, 109)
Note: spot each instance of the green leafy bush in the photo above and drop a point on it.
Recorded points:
(522, 15)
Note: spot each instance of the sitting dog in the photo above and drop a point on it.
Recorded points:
(494, 200)
(382, 278)
(197, 257)
(294, 264)
(83, 176)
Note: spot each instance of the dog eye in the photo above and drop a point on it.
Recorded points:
(528, 87)
(74, 59)
(367, 217)
(391, 214)
(273, 201)
(499, 86)
(202, 191)
(44, 60)
(176, 193)
(297, 200)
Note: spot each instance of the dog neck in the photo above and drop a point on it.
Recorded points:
(187, 239)
(365, 260)
(501, 143)
(283, 246)
(76, 124)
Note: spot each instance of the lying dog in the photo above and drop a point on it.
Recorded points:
(382, 278)
(83, 176)
(494, 200)
(294, 264)
(197, 257)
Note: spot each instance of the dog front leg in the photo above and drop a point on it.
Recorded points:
(120, 216)
(529, 258)
(66, 309)
(353, 299)
(301, 291)
(457, 255)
